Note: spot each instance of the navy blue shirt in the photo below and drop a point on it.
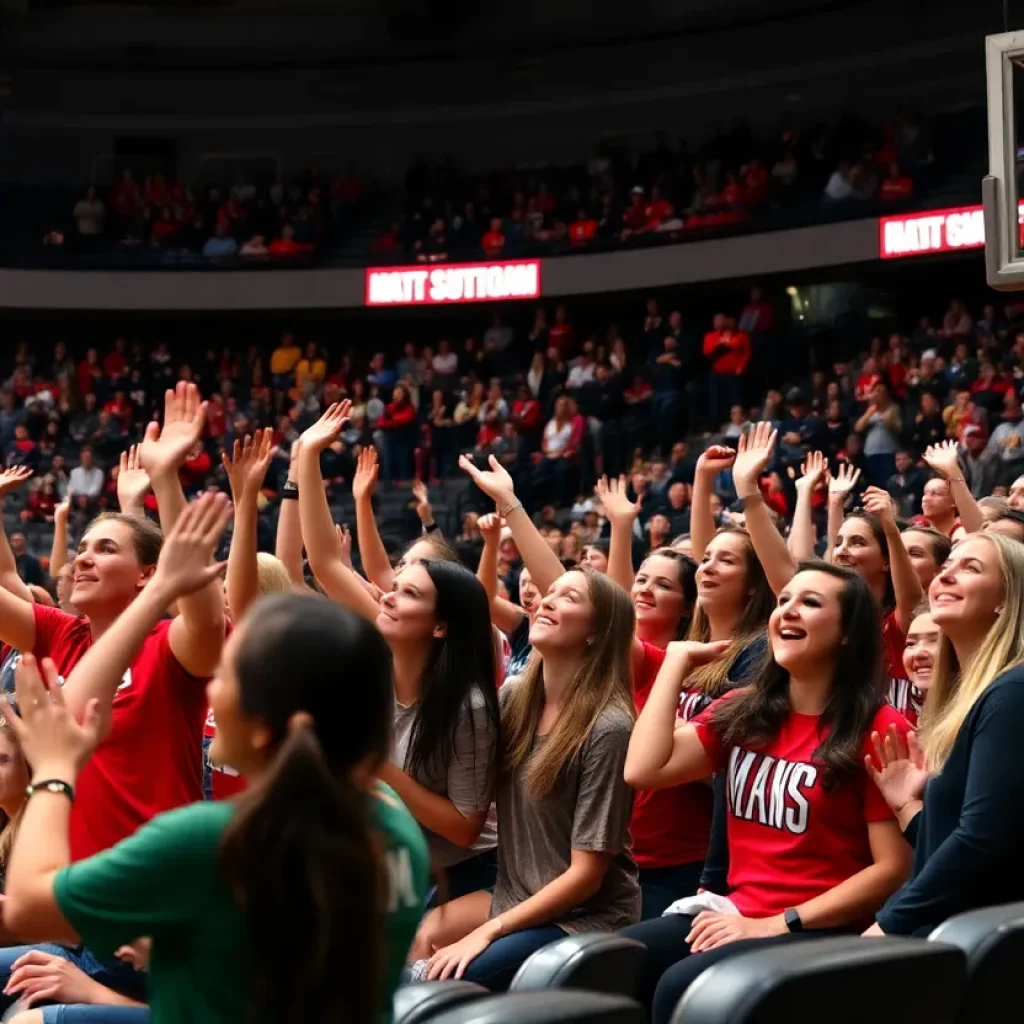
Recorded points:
(969, 835)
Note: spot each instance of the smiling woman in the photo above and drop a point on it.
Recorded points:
(812, 845)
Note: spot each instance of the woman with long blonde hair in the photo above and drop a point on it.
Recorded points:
(564, 864)
(958, 791)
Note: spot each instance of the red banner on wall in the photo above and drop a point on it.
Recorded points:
(931, 231)
(453, 282)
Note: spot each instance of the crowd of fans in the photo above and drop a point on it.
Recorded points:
(258, 218)
(807, 598)
(620, 197)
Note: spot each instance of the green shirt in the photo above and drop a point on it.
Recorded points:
(164, 882)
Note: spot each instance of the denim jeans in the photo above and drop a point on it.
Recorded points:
(661, 887)
(478, 873)
(496, 966)
(91, 1013)
(121, 977)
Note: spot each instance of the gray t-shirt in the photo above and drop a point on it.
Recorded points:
(469, 780)
(589, 809)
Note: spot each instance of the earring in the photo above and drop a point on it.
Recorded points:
(999, 610)
(590, 641)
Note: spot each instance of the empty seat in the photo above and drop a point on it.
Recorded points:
(594, 962)
(844, 980)
(558, 1006)
(993, 941)
(420, 1002)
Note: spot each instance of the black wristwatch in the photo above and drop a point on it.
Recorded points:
(792, 919)
(430, 528)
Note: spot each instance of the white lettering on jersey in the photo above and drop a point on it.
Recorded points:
(402, 892)
(769, 790)
(126, 680)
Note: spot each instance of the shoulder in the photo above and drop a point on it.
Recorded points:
(1005, 693)
(749, 658)
(612, 727)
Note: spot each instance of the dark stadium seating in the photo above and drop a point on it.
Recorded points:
(415, 1004)
(557, 1007)
(595, 962)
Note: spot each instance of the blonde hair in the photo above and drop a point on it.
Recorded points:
(956, 689)
(604, 681)
(273, 576)
(9, 825)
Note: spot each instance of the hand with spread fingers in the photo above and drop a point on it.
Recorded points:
(186, 560)
(12, 478)
(615, 501)
(495, 482)
(248, 463)
(327, 429)
(164, 449)
(133, 483)
(365, 481)
(753, 454)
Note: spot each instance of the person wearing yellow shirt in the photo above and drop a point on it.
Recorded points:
(283, 361)
(309, 367)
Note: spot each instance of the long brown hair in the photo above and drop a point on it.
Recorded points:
(604, 680)
(9, 825)
(713, 679)
(301, 855)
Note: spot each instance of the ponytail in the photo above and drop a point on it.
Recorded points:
(302, 861)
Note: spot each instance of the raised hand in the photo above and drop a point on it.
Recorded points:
(879, 503)
(615, 501)
(899, 771)
(164, 450)
(133, 481)
(490, 527)
(495, 482)
(840, 485)
(186, 560)
(697, 654)
(715, 458)
(944, 458)
(61, 512)
(814, 470)
(11, 479)
(344, 543)
(423, 507)
(365, 481)
(327, 429)
(247, 467)
(752, 456)
(52, 741)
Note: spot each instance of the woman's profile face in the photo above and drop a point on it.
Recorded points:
(408, 611)
(107, 569)
(564, 619)
(968, 589)
(238, 740)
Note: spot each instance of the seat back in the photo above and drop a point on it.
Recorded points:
(554, 1006)
(843, 980)
(594, 962)
(993, 940)
(424, 1000)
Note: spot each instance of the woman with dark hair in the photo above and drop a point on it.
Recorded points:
(812, 845)
(436, 620)
(563, 806)
(595, 554)
(316, 851)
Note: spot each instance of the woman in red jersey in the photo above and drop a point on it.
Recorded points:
(672, 828)
(151, 760)
(813, 847)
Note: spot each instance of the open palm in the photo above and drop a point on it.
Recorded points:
(903, 774)
(944, 458)
(326, 430)
(11, 479)
(248, 464)
(133, 481)
(495, 482)
(844, 481)
(814, 469)
(615, 500)
(365, 481)
(186, 559)
(164, 450)
(752, 456)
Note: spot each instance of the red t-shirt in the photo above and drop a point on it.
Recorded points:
(669, 826)
(789, 839)
(903, 695)
(151, 761)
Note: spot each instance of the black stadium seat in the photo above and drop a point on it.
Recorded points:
(558, 1006)
(423, 1001)
(594, 962)
(843, 980)
(993, 940)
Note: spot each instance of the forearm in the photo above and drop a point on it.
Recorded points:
(702, 521)
(41, 849)
(854, 900)
(203, 611)
(59, 549)
(435, 813)
(542, 562)
(288, 544)
(801, 534)
(769, 545)
(337, 579)
(372, 552)
(560, 896)
(487, 569)
(968, 508)
(243, 579)
(99, 673)
(836, 514)
(620, 554)
(906, 583)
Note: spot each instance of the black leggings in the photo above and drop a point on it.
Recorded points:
(669, 969)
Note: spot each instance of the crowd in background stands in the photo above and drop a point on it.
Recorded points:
(258, 218)
(620, 196)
